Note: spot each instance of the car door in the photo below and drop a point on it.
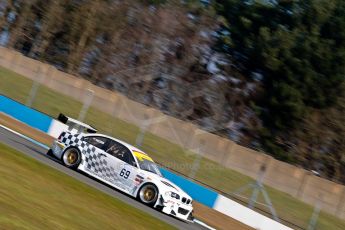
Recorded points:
(124, 165)
(94, 155)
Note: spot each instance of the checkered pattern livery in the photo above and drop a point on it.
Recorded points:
(98, 164)
(71, 139)
(93, 160)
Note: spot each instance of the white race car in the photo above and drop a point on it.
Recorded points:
(123, 167)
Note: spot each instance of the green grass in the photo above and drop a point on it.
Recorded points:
(163, 151)
(35, 196)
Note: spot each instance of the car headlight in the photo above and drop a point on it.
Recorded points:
(173, 195)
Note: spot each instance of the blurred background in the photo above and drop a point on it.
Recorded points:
(265, 75)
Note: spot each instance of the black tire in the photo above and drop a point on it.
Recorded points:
(148, 194)
(71, 158)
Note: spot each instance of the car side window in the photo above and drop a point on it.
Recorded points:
(99, 142)
(121, 152)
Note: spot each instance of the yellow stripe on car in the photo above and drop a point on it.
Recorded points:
(141, 156)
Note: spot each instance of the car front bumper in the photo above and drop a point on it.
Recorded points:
(177, 209)
(58, 148)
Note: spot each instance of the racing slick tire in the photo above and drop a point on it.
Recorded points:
(71, 158)
(148, 194)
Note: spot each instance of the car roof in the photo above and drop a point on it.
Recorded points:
(130, 147)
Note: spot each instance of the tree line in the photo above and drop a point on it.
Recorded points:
(299, 48)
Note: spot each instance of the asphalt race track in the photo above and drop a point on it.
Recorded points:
(35, 151)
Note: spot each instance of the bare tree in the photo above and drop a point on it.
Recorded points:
(52, 20)
(83, 30)
(111, 42)
(24, 15)
(8, 9)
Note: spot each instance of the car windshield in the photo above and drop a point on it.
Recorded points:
(146, 163)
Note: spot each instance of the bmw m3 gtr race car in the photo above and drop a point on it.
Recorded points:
(123, 167)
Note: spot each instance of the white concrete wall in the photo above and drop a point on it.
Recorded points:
(246, 215)
(56, 127)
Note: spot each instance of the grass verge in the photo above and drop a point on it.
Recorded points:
(35, 196)
(163, 151)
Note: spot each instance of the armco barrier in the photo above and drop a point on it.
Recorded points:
(199, 193)
(26, 115)
(31, 117)
(246, 215)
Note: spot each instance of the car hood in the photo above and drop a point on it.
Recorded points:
(166, 184)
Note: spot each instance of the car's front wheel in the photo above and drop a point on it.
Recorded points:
(71, 158)
(148, 194)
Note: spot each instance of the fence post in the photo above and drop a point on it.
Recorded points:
(35, 86)
(315, 215)
(144, 127)
(302, 187)
(196, 162)
(87, 102)
(341, 205)
(14, 60)
(140, 137)
(117, 106)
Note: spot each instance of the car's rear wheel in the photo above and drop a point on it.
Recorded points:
(71, 158)
(148, 194)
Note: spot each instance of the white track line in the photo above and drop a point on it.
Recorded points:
(203, 224)
(25, 137)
